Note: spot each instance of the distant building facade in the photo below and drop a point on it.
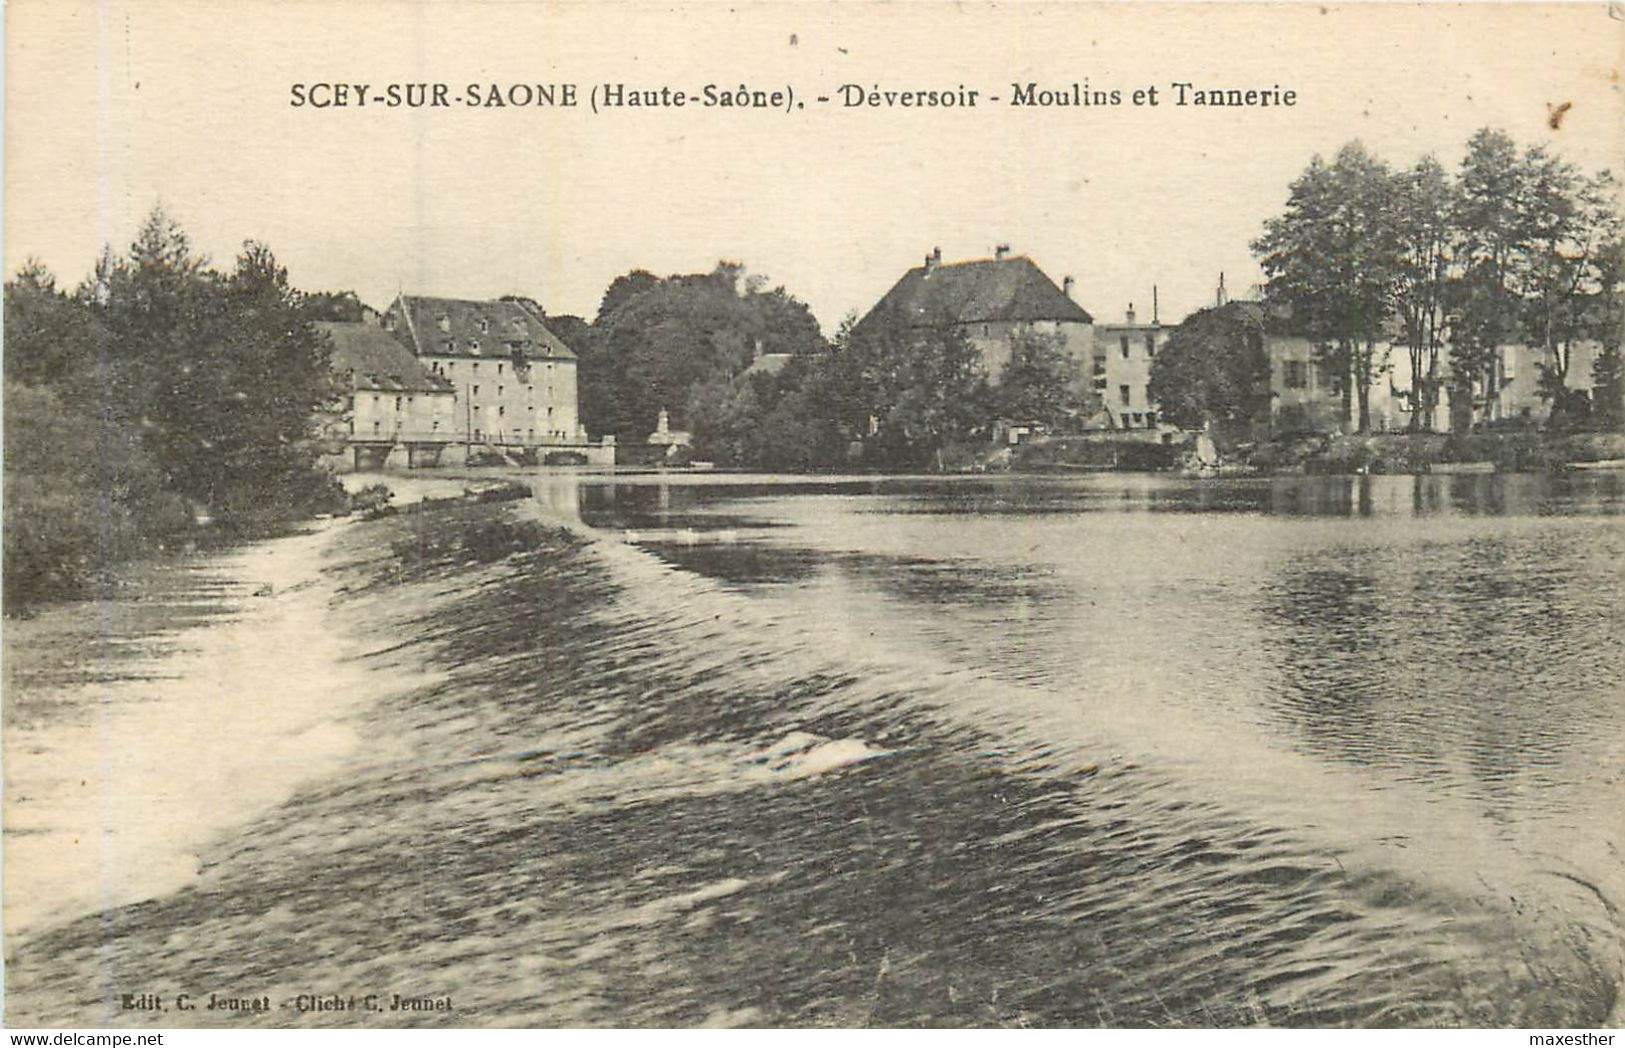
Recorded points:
(988, 301)
(515, 381)
(1120, 371)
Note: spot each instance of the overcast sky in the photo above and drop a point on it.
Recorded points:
(111, 108)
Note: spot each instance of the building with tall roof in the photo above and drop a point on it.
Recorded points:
(397, 412)
(989, 301)
(515, 380)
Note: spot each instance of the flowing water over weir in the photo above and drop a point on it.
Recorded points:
(1119, 751)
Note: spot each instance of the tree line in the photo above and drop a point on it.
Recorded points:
(159, 394)
(880, 397)
(1516, 246)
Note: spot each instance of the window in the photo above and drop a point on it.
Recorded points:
(984, 330)
(375, 399)
(483, 324)
(352, 425)
(376, 425)
(443, 322)
(1123, 344)
(1150, 419)
(397, 403)
(476, 391)
(1122, 392)
(501, 410)
(1150, 345)
(476, 367)
(501, 390)
(450, 366)
(473, 345)
(499, 369)
(435, 426)
(1295, 374)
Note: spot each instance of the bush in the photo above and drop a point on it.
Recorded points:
(372, 501)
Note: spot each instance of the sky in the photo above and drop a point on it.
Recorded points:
(113, 107)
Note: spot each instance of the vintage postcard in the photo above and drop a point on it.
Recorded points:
(826, 514)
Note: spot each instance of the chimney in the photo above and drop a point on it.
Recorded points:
(1129, 316)
(1222, 296)
(1155, 319)
(1066, 285)
(1000, 252)
(934, 259)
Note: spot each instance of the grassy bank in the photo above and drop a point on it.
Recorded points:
(1373, 453)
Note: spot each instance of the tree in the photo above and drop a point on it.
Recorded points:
(1568, 268)
(624, 289)
(1330, 261)
(1419, 207)
(1491, 230)
(923, 388)
(1039, 380)
(1608, 387)
(341, 307)
(1214, 370)
(663, 339)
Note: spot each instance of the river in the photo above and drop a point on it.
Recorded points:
(1106, 750)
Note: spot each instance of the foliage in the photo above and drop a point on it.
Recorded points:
(161, 387)
(1038, 381)
(1518, 247)
(1418, 219)
(1608, 388)
(1330, 260)
(343, 307)
(1214, 370)
(373, 501)
(656, 342)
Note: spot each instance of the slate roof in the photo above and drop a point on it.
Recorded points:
(1007, 289)
(499, 329)
(376, 360)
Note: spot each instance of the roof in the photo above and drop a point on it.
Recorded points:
(1005, 289)
(375, 360)
(456, 327)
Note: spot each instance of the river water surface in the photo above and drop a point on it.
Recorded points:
(1109, 750)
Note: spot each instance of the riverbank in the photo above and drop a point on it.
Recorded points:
(1380, 453)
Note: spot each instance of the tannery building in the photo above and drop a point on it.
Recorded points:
(989, 301)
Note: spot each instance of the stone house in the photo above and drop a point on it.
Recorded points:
(397, 412)
(989, 301)
(515, 381)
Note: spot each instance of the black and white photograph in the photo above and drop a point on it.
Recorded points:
(808, 515)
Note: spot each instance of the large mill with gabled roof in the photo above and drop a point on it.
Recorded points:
(988, 301)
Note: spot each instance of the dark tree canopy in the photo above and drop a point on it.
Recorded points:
(662, 339)
(1214, 370)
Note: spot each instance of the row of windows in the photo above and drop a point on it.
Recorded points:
(450, 366)
(501, 390)
(443, 322)
(1150, 345)
(408, 401)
